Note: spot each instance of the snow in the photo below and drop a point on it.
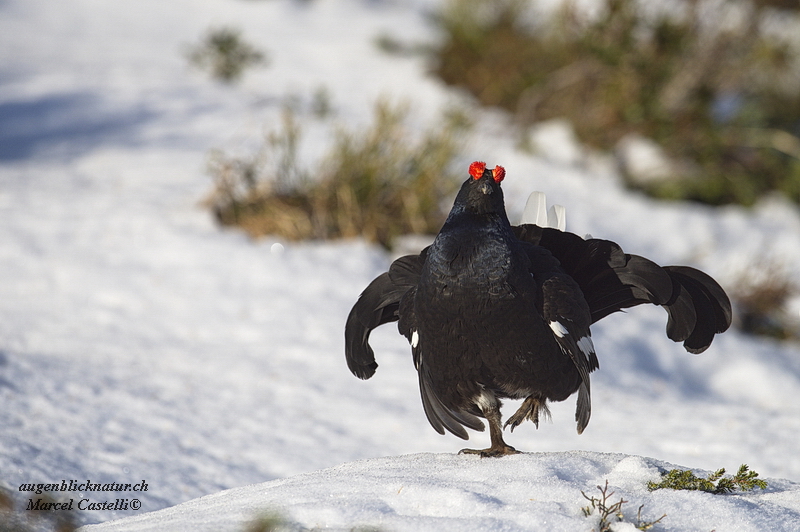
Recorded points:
(448, 492)
(139, 341)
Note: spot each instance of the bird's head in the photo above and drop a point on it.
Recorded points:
(481, 193)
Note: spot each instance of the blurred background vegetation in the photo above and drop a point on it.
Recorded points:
(715, 83)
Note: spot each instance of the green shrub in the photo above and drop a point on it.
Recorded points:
(676, 479)
(376, 184)
(721, 97)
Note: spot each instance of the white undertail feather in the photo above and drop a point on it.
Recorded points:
(535, 209)
(557, 217)
(486, 400)
(586, 345)
(536, 212)
(558, 329)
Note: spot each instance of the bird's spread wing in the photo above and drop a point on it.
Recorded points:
(612, 280)
(711, 309)
(379, 303)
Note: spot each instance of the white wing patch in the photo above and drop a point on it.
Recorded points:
(559, 329)
(414, 338)
(586, 345)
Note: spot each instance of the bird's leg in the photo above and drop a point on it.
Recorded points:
(491, 410)
(529, 409)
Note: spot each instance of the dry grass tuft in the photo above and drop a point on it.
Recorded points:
(376, 184)
(760, 296)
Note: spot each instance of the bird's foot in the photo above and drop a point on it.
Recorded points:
(492, 452)
(530, 409)
(518, 418)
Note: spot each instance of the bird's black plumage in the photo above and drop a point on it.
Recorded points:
(496, 311)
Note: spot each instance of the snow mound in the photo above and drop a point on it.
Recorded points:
(442, 492)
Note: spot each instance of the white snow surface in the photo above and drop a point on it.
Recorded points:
(139, 341)
(448, 492)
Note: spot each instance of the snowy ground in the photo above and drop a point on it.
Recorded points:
(138, 341)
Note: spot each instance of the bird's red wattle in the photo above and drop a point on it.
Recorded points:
(499, 173)
(476, 169)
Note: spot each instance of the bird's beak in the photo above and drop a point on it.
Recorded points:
(486, 188)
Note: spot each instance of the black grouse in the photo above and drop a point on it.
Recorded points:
(498, 311)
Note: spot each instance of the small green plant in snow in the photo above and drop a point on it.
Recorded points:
(676, 479)
(225, 54)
